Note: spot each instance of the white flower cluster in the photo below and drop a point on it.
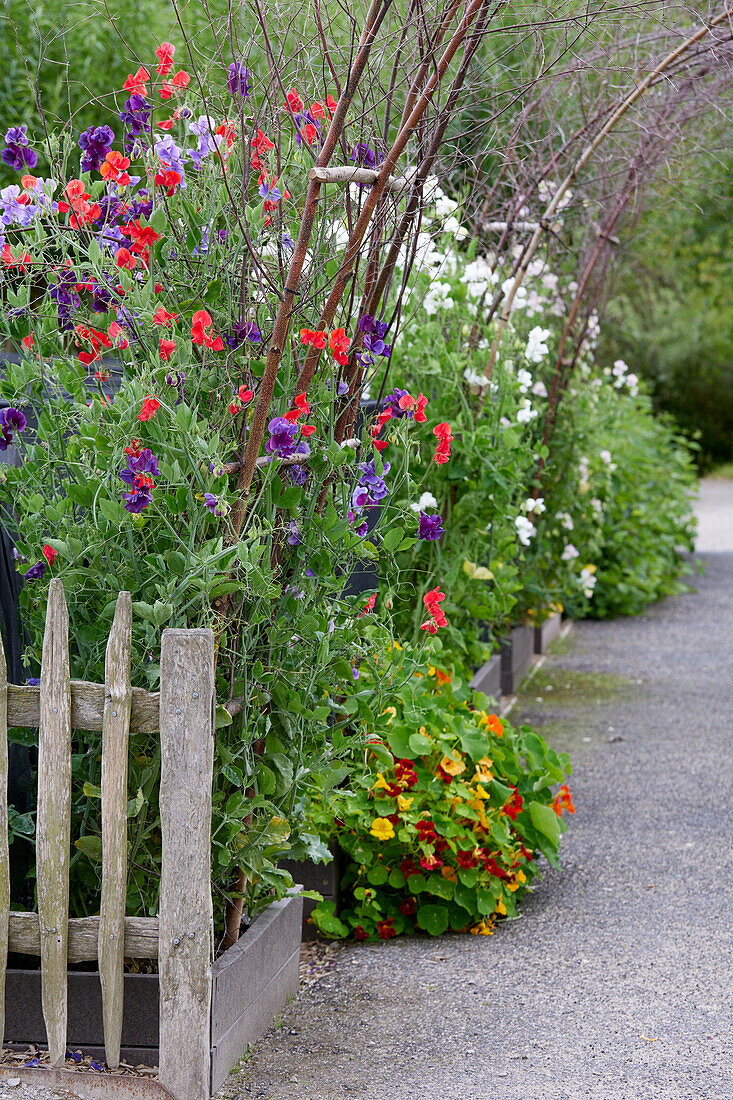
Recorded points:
(475, 379)
(546, 190)
(588, 580)
(565, 520)
(478, 277)
(537, 348)
(427, 500)
(569, 553)
(525, 530)
(584, 474)
(438, 297)
(623, 377)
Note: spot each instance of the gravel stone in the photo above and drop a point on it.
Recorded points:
(615, 983)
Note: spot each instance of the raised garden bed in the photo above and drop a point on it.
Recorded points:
(547, 632)
(323, 877)
(251, 983)
(517, 654)
(488, 678)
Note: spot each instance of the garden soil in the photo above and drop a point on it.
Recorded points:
(616, 981)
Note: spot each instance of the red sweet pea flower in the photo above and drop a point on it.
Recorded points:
(149, 408)
(432, 600)
(563, 801)
(134, 448)
(307, 429)
(262, 142)
(513, 807)
(124, 258)
(316, 338)
(168, 180)
(117, 334)
(295, 103)
(114, 167)
(167, 347)
(338, 342)
(142, 236)
(97, 340)
(445, 437)
(163, 317)
(136, 84)
(165, 124)
(9, 260)
(331, 103)
(200, 323)
(165, 53)
(28, 341)
(422, 401)
(368, 606)
(301, 406)
(49, 554)
(244, 396)
(317, 110)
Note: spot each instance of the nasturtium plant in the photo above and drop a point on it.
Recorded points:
(443, 828)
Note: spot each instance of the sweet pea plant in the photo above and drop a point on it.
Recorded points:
(442, 830)
(185, 413)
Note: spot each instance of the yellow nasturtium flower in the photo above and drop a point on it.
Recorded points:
(500, 907)
(403, 802)
(483, 771)
(382, 829)
(381, 783)
(392, 712)
(483, 928)
(519, 879)
(451, 765)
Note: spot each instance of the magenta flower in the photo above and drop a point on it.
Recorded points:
(282, 441)
(11, 420)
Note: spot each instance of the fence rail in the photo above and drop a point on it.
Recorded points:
(181, 938)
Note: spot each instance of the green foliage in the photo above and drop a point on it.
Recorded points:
(443, 826)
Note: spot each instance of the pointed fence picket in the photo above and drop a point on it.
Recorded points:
(181, 939)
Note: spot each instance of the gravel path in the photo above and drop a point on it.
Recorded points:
(616, 983)
(714, 510)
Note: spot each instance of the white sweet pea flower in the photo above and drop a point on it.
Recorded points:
(569, 553)
(454, 227)
(537, 506)
(525, 530)
(526, 413)
(539, 389)
(525, 380)
(475, 379)
(537, 348)
(444, 206)
(427, 500)
(566, 520)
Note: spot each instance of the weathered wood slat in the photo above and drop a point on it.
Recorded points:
(141, 937)
(115, 736)
(4, 851)
(54, 819)
(87, 707)
(185, 948)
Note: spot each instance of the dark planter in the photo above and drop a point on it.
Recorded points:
(546, 633)
(517, 653)
(488, 678)
(252, 982)
(323, 877)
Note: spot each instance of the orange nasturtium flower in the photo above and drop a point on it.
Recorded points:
(563, 801)
(452, 766)
(382, 829)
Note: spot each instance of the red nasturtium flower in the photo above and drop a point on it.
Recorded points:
(426, 831)
(360, 933)
(563, 801)
(407, 907)
(513, 807)
(149, 408)
(385, 929)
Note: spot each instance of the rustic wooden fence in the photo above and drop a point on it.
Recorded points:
(181, 938)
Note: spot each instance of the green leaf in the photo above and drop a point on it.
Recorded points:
(545, 820)
(393, 538)
(420, 744)
(135, 805)
(433, 919)
(91, 790)
(441, 887)
(396, 878)
(223, 717)
(326, 921)
(90, 845)
(377, 875)
(112, 510)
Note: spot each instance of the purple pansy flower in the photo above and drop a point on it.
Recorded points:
(431, 527)
(17, 152)
(239, 79)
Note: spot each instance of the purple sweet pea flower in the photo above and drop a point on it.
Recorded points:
(95, 143)
(171, 156)
(241, 331)
(36, 571)
(177, 379)
(11, 420)
(364, 156)
(139, 476)
(392, 401)
(297, 475)
(17, 153)
(217, 507)
(239, 79)
(270, 191)
(135, 115)
(431, 527)
(374, 332)
(370, 489)
(12, 210)
(294, 538)
(282, 441)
